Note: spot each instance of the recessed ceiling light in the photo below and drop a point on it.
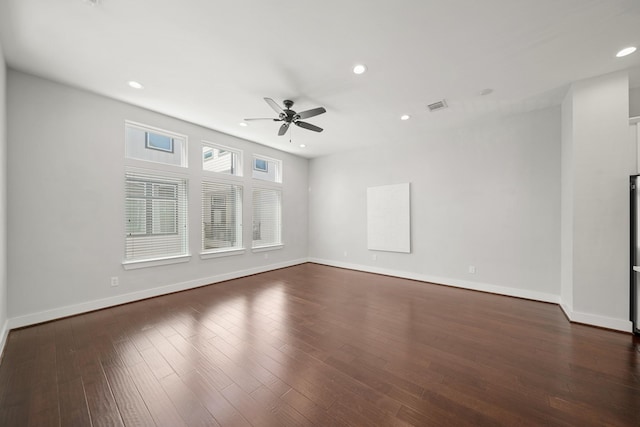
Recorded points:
(135, 85)
(302, 145)
(405, 117)
(243, 124)
(359, 69)
(626, 51)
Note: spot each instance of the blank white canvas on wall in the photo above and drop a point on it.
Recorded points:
(389, 218)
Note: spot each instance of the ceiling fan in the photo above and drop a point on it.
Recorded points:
(289, 116)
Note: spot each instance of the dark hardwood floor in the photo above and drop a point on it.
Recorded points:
(315, 345)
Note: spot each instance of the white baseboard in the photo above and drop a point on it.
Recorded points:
(71, 310)
(597, 320)
(566, 309)
(465, 284)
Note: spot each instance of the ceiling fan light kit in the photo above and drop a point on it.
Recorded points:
(288, 116)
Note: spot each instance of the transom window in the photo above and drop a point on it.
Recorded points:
(220, 159)
(155, 145)
(267, 169)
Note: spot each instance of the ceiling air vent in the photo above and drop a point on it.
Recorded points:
(440, 105)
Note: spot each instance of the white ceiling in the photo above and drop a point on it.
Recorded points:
(211, 62)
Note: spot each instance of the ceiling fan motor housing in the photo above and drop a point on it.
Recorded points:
(289, 114)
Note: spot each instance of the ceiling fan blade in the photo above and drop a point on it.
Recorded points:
(308, 126)
(283, 129)
(310, 113)
(265, 118)
(273, 104)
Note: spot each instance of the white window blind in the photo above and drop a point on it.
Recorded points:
(155, 216)
(267, 223)
(221, 217)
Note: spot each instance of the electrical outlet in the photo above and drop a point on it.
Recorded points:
(266, 256)
(472, 269)
(345, 253)
(374, 257)
(114, 281)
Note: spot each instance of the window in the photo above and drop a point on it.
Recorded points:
(260, 165)
(155, 145)
(221, 217)
(267, 169)
(266, 230)
(216, 158)
(156, 141)
(155, 216)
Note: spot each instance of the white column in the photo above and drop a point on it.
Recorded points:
(598, 157)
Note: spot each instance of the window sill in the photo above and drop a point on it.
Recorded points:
(133, 265)
(220, 254)
(267, 248)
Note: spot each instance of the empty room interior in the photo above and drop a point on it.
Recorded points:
(335, 213)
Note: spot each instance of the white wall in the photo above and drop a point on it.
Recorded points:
(487, 195)
(3, 203)
(603, 159)
(66, 212)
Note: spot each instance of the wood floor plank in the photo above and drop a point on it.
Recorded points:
(316, 345)
(73, 404)
(44, 408)
(256, 414)
(159, 366)
(209, 396)
(131, 405)
(100, 401)
(287, 415)
(307, 407)
(187, 404)
(157, 401)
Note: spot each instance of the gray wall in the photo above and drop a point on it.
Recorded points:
(66, 211)
(486, 196)
(3, 201)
